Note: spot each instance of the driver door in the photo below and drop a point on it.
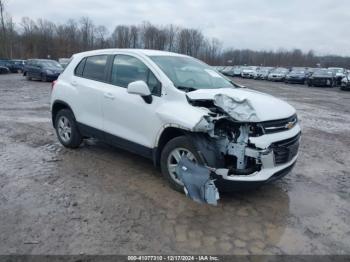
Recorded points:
(127, 117)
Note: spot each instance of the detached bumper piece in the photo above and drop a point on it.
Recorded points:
(198, 184)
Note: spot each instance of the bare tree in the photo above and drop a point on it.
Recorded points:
(87, 30)
(101, 34)
(38, 39)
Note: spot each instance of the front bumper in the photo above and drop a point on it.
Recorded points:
(295, 80)
(322, 81)
(270, 168)
(52, 77)
(345, 85)
(276, 78)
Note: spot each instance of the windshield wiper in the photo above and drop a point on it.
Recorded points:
(186, 88)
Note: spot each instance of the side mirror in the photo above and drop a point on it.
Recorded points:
(140, 88)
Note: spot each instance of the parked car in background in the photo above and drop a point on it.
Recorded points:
(278, 74)
(237, 70)
(16, 65)
(262, 73)
(221, 68)
(248, 72)
(228, 71)
(339, 73)
(310, 71)
(63, 61)
(322, 77)
(5, 63)
(345, 83)
(296, 76)
(42, 69)
(4, 69)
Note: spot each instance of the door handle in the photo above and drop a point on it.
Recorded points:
(109, 96)
(74, 83)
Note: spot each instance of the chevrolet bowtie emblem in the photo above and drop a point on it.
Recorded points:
(290, 125)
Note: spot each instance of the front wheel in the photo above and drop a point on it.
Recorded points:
(43, 78)
(171, 155)
(67, 130)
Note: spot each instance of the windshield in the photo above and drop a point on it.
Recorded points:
(298, 72)
(50, 64)
(323, 72)
(336, 70)
(190, 74)
(281, 71)
(263, 70)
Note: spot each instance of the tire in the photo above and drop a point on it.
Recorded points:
(28, 77)
(43, 78)
(178, 143)
(67, 129)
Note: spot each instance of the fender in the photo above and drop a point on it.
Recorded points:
(56, 106)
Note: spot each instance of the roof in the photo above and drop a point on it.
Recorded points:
(146, 52)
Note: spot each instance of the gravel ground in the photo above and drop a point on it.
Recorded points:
(102, 200)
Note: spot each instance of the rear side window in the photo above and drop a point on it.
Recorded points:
(127, 69)
(94, 68)
(80, 68)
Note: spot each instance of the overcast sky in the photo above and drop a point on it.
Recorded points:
(321, 25)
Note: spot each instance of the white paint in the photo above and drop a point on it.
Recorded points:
(125, 114)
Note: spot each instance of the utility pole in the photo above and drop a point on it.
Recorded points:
(2, 20)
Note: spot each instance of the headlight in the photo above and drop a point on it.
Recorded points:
(50, 72)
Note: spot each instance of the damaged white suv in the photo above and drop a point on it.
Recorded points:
(167, 106)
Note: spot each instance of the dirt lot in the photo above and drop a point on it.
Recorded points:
(102, 200)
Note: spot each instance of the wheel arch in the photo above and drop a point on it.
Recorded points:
(56, 107)
(207, 147)
(167, 134)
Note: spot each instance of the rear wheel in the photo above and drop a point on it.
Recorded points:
(171, 155)
(67, 130)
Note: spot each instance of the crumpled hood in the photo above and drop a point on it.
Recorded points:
(245, 105)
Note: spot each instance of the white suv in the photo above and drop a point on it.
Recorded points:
(165, 106)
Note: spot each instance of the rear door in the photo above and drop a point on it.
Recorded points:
(89, 80)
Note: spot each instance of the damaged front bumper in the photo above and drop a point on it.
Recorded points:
(201, 183)
(275, 153)
(241, 145)
(268, 155)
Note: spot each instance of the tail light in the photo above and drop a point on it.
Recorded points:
(53, 84)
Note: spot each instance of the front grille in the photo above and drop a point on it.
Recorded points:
(275, 126)
(321, 81)
(284, 151)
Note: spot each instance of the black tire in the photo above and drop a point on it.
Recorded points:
(75, 138)
(177, 142)
(43, 78)
(28, 77)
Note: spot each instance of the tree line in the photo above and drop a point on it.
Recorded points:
(45, 39)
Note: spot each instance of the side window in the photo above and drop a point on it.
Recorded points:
(95, 67)
(80, 68)
(127, 69)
